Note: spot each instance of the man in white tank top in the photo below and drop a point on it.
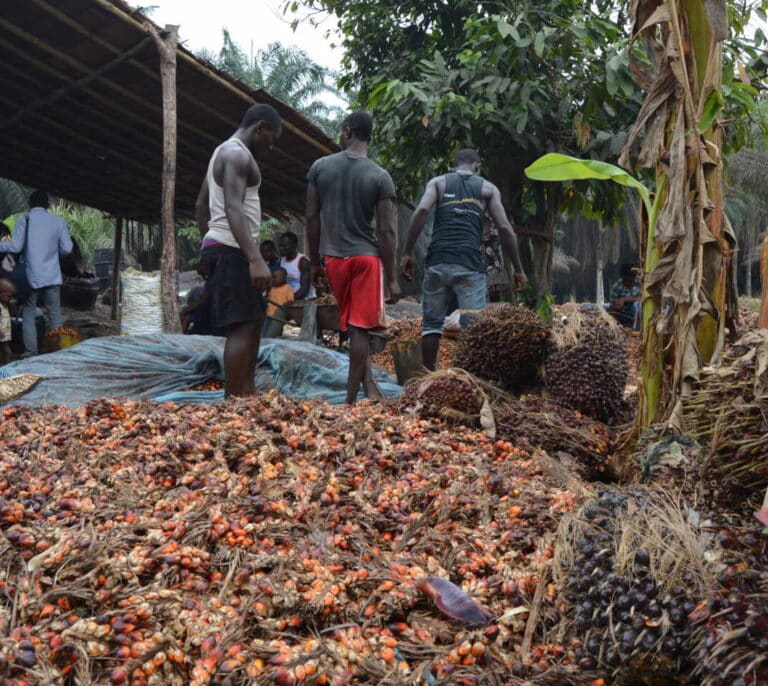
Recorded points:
(229, 219)
(296, 266)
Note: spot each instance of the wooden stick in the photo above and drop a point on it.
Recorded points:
(169, 274)
(115, 310)
(533, 617)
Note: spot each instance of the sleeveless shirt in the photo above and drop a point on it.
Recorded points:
(218, 226)
(294, 275)
(457, 232)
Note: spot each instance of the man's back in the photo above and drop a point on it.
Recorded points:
(349, 188)
(47, 238)
(458, 226)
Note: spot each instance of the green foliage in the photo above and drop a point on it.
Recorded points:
(514, 80)
(556, 167)
(13, 198)
(287, 73)
(88, 226)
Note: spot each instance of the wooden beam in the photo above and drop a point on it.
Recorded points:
(169, 273)
(247, 97)
(117, 250)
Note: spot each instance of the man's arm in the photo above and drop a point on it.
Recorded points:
(305, 279)
(234, 183)
(202, 209)
(507, 235)
(16, 244)
(418, 221)
(386, 232)
(312, 219)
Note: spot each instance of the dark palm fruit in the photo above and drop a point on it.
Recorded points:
(643, 557)
(638, 598)
(648, 642)
(593, 645)
(612, 658)
(587, 664)
(677, 616)
(628, 637)
(623, 602)
(600, 620)
(670, 644)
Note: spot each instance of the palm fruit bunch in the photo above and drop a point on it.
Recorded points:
(730, 645)
(445, 394)
(505, 345)
(586, 365)
(727, 413)
(629, 591)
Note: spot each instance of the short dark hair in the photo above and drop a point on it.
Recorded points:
(467, 156)
(266, 113)
(268, 241)
(360, 124)
(627, 270)
(39, 199)
(4, 230)
(290, 236)
(281, 269)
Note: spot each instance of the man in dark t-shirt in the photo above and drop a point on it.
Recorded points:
(455, 265)
(345, 192)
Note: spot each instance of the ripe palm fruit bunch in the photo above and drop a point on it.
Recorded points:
(730, 643)
(505, 345)
(632, 571)
(586, 364)
(446, 394)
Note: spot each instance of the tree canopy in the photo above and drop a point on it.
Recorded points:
(288, 73)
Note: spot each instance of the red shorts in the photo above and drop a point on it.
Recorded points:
(358, 286)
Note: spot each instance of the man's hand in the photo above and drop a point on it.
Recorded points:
(406, 267)
(521, 281)
(317, 275)
(393, 292)
(261, 277)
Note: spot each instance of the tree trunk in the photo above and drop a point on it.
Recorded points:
(764, 284)
(169, 275)
(600, 288)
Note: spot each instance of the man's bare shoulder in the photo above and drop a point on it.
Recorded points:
(489, 190)
(233, 153)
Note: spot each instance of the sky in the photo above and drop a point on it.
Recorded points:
(260, 21)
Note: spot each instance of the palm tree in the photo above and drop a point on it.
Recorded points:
(286, 72)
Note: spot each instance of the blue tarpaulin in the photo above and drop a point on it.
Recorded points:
(162, 366)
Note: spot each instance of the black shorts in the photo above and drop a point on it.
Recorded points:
(232, 297)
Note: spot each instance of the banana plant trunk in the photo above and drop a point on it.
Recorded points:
(764, 285)
(689, 243)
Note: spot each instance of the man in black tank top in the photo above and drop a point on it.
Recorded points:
(455, 265)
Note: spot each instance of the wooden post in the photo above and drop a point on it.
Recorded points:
(169, 277)
(118, 247)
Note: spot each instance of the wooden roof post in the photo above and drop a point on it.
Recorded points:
(116, 254)
(169, 277)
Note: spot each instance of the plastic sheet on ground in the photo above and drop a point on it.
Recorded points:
(162, 366)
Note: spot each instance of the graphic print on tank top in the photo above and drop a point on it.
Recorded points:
(457, 234)
(219, 232)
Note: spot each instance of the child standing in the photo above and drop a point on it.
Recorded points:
(7, 290)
